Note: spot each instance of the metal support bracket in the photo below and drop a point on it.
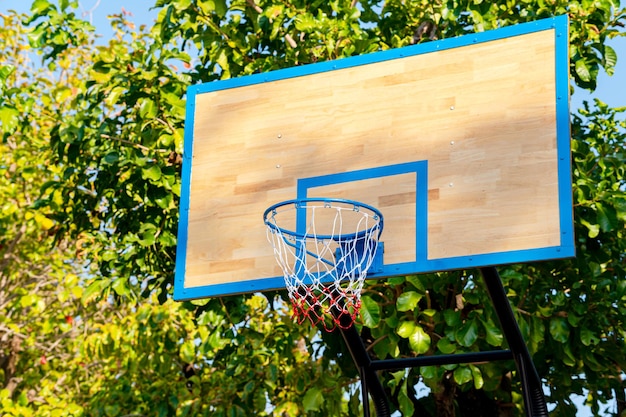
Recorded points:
(534, 400)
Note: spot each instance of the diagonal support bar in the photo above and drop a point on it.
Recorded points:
(369, 379)
(534, 400)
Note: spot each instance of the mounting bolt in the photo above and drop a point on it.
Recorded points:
(280, 135)
(451, 107)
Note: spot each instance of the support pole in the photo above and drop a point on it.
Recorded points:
(369, 379)
(534, 400)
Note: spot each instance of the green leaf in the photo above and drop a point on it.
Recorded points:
(493, 334)
(40, 6)
(559, 329)
(181, 4)
(313, 399)
(607, 217)
(147, 108)
(416, 282)
(120, 286)
(153, 173)
(370, 311)
(406, 405)
(583, 70)
(594, 229)
(112, 410)
(148, 234)
(610, 59)
(452, 318)
(620, 208)
(9, 119)
(188, 351)
(221, 8)
(393, 281)
(28, 300)
(567, 357)
(306, 23)
(406, 329)
(462, 375)
(419, 340)
(5, 71)
(114, 96)
(408, 300)
(429, 372)
(111, 157)
(94, 289)
(479, 381)
(467, 334)
(588, 337)
(446, 346)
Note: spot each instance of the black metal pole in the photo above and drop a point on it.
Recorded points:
(369, 379)
(438, 360)
(364, 394)
(534, 399)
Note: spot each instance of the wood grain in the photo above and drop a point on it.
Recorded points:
(483, 116)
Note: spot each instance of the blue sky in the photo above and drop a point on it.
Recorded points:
(611, 90)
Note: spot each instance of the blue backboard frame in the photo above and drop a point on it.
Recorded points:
(421, 264)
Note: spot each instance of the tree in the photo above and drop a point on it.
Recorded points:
(39, 291)
(110, 181)
(68, 348)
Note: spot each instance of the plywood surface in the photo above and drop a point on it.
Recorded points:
(482, 115)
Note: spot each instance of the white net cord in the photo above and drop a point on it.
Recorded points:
(325, 256)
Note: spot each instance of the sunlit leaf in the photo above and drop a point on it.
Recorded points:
(462, 375)
(419, 340)
(583, 70)
(9, 119)
(406, 329)
(40, 6)
(610, 59)
(152, 172)
(370, 311)
(406, 405)
(477, 376)
(408, 301)
(5, 71)
(187, 351)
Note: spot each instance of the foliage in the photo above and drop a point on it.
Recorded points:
(39, 290)
(70, 346)
(92, 143)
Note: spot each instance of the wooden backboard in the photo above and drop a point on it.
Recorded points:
(463, 144)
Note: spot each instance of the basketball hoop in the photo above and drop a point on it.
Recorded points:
(325, 248)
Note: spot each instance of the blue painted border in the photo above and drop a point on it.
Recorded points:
(565, 249)
(558, 22)
(420, 168)
(180, 292)
(563, 137)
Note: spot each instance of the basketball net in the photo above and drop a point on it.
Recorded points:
(325, 255)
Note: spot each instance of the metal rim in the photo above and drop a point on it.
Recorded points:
(303, 202)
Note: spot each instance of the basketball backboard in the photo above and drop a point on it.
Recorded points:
(462, 144)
